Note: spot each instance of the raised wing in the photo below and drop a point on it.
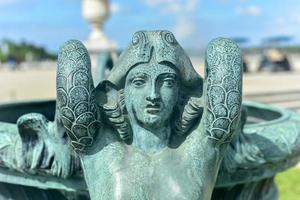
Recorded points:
(222, 90)
(76, 101)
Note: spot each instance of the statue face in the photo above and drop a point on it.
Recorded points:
(151, 92)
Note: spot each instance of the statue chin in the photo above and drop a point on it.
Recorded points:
(152, 121)
(149, 120)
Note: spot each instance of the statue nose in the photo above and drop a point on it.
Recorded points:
(153, 95)
(152, 98)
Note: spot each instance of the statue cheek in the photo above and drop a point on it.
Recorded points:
(135, 97)
(169, 98)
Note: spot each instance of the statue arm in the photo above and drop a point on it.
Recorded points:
(222, 97)
(76, 102)
(222, 91)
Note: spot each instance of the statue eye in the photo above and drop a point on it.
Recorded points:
(138, 82)
(169, 82)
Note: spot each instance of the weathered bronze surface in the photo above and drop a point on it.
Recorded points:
(151, 130)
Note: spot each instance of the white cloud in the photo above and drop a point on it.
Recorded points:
(153, 3)
(280, 20)
(173, 6)
(9, 2)
(232, 1)
(115, 8)
(184, 28)
(191, 5)
(183, 11)
(293, 19)
(297, 20)
(253, 10)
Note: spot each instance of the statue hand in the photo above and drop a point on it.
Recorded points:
(222, 90)
(76, 102)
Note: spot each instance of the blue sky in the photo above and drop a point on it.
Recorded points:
(194, 22)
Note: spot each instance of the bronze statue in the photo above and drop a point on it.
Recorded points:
(152, 130)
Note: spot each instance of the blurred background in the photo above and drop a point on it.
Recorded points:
(268, 32)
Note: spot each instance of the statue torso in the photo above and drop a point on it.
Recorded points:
(119, 171)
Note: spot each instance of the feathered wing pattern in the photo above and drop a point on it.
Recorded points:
(223, 90)
(76, 101)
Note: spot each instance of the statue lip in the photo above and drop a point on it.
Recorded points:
(153, 108)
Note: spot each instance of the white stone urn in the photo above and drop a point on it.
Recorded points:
(96, 12)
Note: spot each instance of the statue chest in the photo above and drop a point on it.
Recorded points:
(132, 175)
